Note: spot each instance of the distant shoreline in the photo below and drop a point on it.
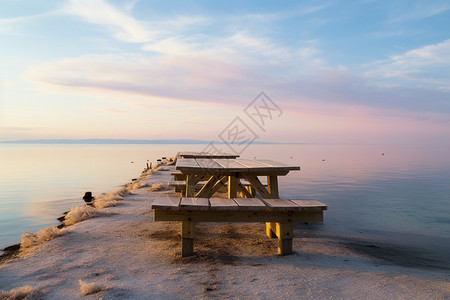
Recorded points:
(131, 141)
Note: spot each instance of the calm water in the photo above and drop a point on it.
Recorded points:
(376, 194)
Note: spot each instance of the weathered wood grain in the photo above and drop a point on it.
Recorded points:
(223, 204)
(168, 203)
(281, 204)
(250, 204)
(194, 203)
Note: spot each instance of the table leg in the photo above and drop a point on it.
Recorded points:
(191, 181)
(232, 186)
(272, 184)
(271, 229)
(187, 238)
(190, 186)
(285, 233)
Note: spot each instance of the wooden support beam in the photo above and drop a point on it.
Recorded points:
(220, 183)
(191, 181)
(272, 183)
(187, 247)
(285, 233)
(237, 216)
(270, 229)
(259, 187)
(232, 187)
(244, 191)
(284, 246)
(187, 238)
(206, 189)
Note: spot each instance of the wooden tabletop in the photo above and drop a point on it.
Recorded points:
(192, 154)
(230, 166)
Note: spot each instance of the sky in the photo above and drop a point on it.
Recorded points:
(280, 71)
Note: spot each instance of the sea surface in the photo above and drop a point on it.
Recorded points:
(388, 201)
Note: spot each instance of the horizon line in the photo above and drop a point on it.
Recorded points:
(130, 141)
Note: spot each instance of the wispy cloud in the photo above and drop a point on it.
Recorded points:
(216, 80)
(427, 66)
(404, 11)
(123, 26)
(11, 25)
(227, 65)
(182, 77)
(311, 9)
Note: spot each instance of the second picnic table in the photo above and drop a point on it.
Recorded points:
(193, 154)
(220, 172)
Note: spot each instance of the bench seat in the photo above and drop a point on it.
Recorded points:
(177, 175)
(180, 185)
(279, 215)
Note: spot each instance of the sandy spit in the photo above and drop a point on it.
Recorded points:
(122, 253)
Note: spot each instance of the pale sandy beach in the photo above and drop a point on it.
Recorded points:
(122, 253)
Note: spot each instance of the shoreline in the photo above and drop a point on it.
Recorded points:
(11, 251)
(121, 252)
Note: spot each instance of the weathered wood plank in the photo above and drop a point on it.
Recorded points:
(177, 183)
(231, 165)
(188, 166)
(168, 203)
(237, 216)
(276, 164)
(270, 163)
(186, 163)
(207, 163)
(223, 204)
(178, 175)
(281, 204)
(193, 154)
(253, 165)
(194, 203)
(310, 204)
(250, 204)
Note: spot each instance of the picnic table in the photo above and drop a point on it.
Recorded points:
(192, 154)
(218, 172)
(199, 205)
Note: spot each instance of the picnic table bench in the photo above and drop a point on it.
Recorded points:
(179, 186)
(279, 215)
(178, 175)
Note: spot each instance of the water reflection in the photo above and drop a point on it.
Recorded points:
(387, 193)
